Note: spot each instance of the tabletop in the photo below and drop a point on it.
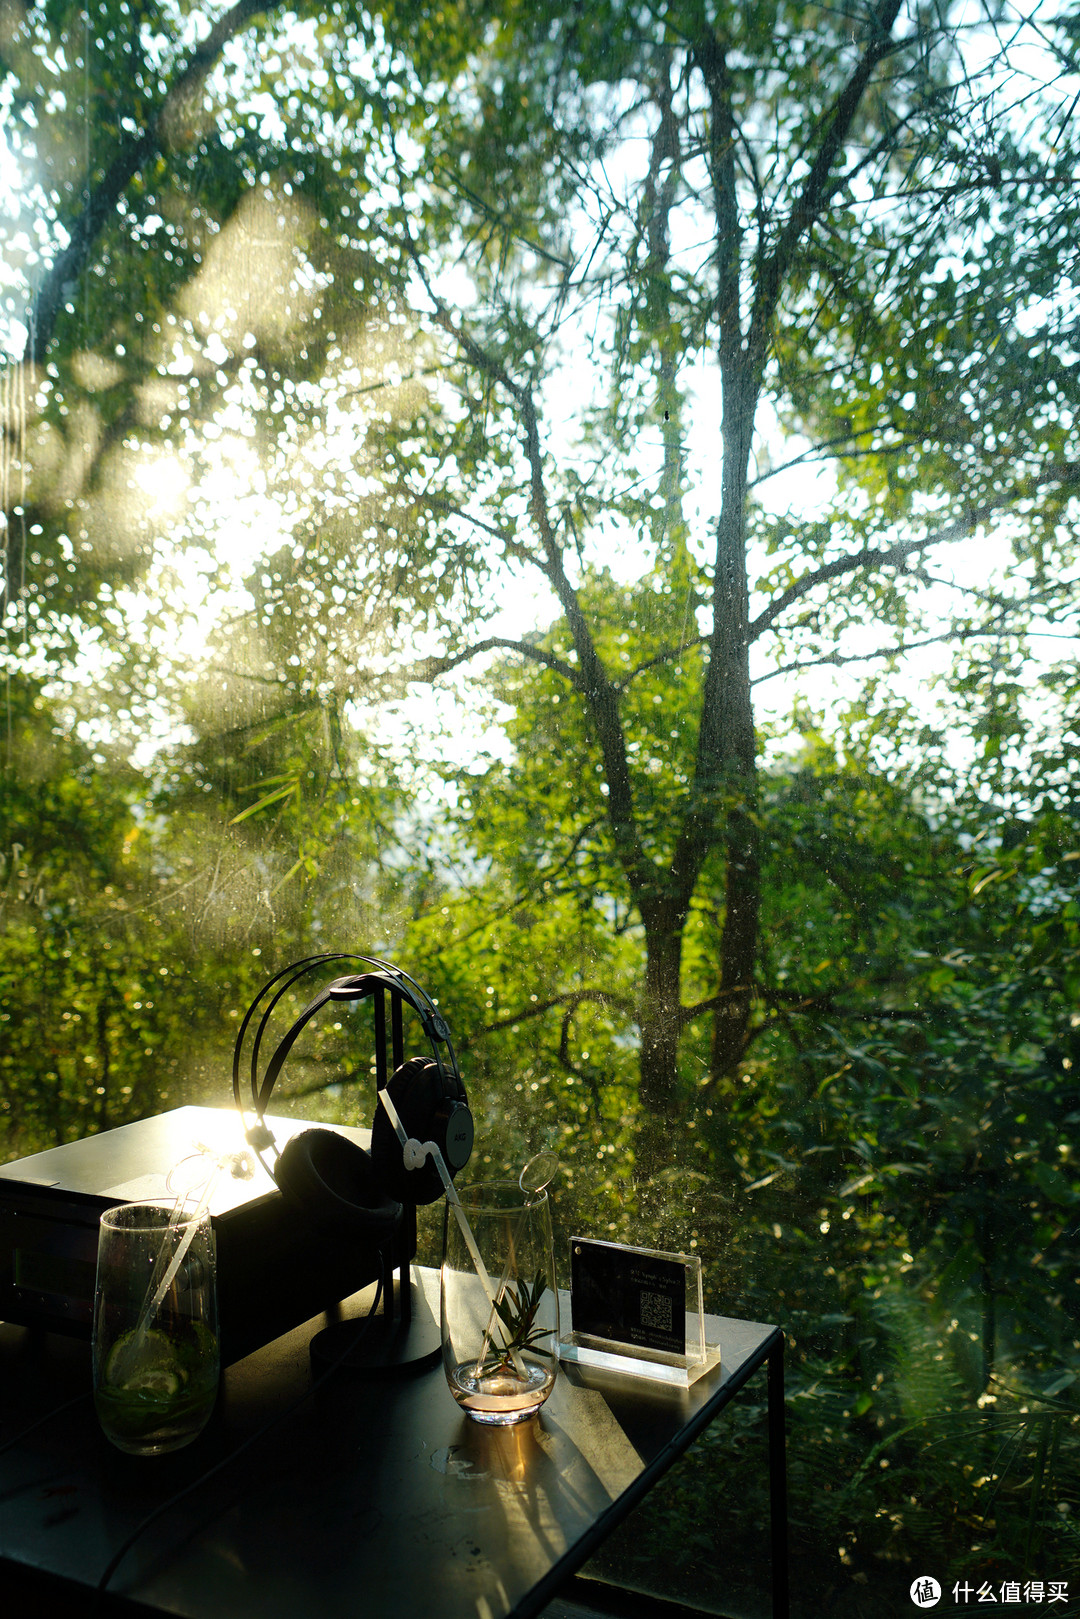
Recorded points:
(368, 1497)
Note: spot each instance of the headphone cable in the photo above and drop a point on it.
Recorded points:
(39, 1422)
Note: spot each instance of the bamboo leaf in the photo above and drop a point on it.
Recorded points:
(263, 803)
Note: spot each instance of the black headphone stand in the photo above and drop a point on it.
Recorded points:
(403, 1340)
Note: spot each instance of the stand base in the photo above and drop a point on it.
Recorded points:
(677, 1370)
(383, 1346)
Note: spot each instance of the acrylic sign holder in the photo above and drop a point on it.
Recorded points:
(637, 1311)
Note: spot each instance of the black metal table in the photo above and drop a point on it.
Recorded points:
(369, 1498)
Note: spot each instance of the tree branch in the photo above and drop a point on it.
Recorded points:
(591, 678)
(869, 557)
(443, 503)
(431, 668)
(819, 186)
(570, 1002)
(661, 657)
(834, 660)
(818, 452)
(1066, 473)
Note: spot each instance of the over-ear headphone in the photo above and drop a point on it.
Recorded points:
(331, 1179)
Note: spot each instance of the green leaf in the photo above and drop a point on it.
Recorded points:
(1054, 1184)
(275, 797)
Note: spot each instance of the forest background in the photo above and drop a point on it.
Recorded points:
(580, 500)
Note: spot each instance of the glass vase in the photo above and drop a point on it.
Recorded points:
(499, 1304)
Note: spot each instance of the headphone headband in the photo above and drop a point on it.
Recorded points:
(355, 988)
(336, 1182)
(387, 978)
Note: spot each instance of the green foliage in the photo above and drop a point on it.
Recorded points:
(98, 1027)
(516, 1308)
(891, 1173)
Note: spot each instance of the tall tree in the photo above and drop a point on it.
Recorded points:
(686, 232)
(544, 290)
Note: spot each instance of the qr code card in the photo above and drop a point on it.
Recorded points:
(628, 1295)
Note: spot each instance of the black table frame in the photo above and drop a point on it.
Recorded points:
(771, 1356)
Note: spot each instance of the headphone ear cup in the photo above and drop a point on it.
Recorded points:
(430, 1109)
(333, 1181)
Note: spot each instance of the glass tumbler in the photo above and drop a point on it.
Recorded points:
(155, 1369)
(500, 1319)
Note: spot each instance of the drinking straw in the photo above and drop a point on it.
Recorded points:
(240, 1166)
(415, 1152)
(154, 1296)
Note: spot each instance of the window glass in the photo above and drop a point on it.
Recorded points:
(581, 500)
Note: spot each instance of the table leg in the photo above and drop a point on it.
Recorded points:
(778, 1519)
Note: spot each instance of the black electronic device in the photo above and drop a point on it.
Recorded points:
(271, 1274)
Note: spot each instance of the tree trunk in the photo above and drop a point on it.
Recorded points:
(661, 1020)
(727, 748)
(727, 752)
(738, 945)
